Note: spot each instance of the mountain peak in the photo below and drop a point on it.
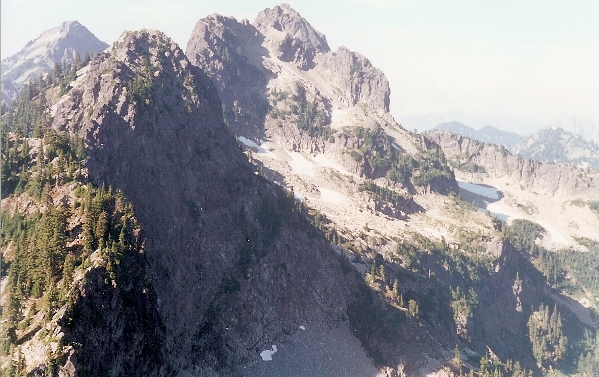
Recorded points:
(457, 128)
(61, 44)
(68, 25)
(283, 18)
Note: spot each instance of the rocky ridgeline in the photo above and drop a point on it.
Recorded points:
(233, 266)
(499, 162)
(283, 33)
(559, 146)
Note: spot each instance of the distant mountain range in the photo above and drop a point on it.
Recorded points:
(58, 45)
(547, 145)
(487, 134)
(557, 145)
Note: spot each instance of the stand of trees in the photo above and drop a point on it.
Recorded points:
(545, 329)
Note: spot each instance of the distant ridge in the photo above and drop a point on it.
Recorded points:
(557, 145)
(487, 134)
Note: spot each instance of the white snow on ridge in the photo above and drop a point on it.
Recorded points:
(266, 355)
(258, 148)
(300, 164)
(331, 196)
(248, 142)
(487, 192)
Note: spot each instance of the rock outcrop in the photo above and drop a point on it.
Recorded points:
(291, 37)
(498, 162)
(233, 266)
(356, 77)
(231, 53)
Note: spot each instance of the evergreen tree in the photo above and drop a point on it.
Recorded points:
(412, 309)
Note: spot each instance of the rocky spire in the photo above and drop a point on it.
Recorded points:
(291, 37)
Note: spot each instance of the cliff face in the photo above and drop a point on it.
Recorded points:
(231, 55)
(232, 264)
(498, 161)
(355, 76)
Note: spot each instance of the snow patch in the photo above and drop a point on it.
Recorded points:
(332, 196)
(260, 149)
(338, 118)
(248, 142)
(323, 160)
(300, 164)
(266, 355)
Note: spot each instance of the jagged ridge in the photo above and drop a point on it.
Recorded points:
(222, 243)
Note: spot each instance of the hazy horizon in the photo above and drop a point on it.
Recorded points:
(515, 66)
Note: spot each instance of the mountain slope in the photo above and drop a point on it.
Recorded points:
(332, 105)
(232, 263)
(335, 245)
(537, 191)
(384, 193)
(556, 145)
(64, 44)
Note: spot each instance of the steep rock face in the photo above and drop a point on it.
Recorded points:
(247, 65)
(58, 45)
(501, 316)
(115, 330)
(355, 76)
(290, 36)
(232, 265)
(497, 162)
(231, 53)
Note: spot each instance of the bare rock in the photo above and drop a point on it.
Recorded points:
(293, 38)
(497, 161)
(233, 265)
(358, 80)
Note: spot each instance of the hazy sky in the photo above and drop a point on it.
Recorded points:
(517, 65)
